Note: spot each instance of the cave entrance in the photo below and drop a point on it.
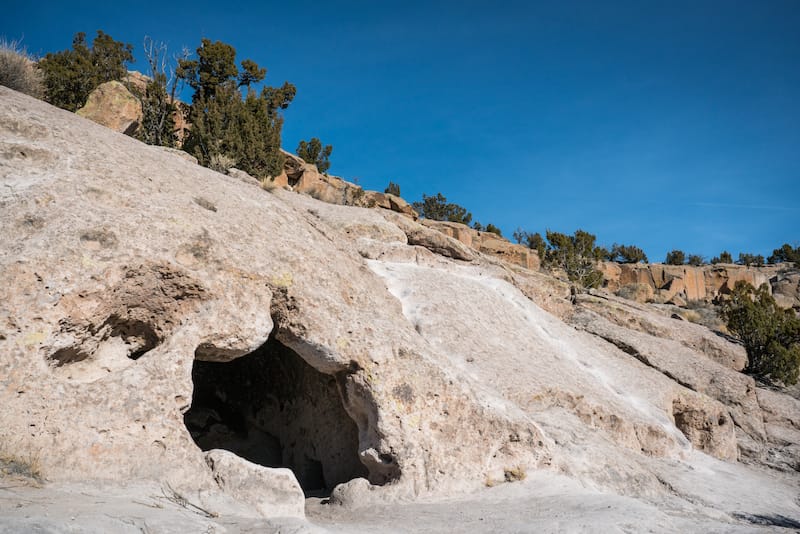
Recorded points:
(272, 408)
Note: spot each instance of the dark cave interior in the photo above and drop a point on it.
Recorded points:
(272, 408)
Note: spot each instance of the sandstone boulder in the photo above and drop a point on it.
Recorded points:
(137, 81)
(786, 289)
(424, 236)
(390, 202)
(323, 187)
(113, 106)
(293, 167)
(487, 243)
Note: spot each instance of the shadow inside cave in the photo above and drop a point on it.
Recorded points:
(272, 408)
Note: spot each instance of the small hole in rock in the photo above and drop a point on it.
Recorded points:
(68, 355)
(140, 336)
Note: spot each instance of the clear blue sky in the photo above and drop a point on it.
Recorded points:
(661, 124)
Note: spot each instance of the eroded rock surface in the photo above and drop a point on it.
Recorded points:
(679, 284)
(272, 492)
(155, 312)
(117, 277)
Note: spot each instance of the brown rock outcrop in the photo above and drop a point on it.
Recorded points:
(679, 284)
(136, 81)
(487, 243)
(389, 202)
(304, 178)
(786, 288)
(113, 106)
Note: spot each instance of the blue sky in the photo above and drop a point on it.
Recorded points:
(661, 124)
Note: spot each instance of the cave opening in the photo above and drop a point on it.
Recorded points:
(274, 409)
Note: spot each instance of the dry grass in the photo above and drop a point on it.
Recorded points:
(268, 184)
(510, 474)
(703, 313)
(691, 316)
(515, 474)
(636, 292)
(18, 70)
(26, 467)
(221, 163)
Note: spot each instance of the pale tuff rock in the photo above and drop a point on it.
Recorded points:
(659, 323)
(253, 261)
(152, 314)
(272, 492)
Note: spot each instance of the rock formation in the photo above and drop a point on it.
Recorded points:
(112, 105)
(679, 284)
(163, 322)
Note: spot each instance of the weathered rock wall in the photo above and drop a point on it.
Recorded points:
(131, 278)
(679, 284)
(116, 276)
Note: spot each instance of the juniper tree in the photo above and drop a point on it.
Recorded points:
(244, 130)
(675, 257)
(724, 257)
(626, 254)
(392, 189)
(695, 260)
(438, 209)
(770, 334)
(313, 152)
(493, 229)
(785, 254)
(748, 259)
(577, 255)
(70, 75)
(533, 241)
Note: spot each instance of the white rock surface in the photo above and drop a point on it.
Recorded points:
(132, 283)
(273, 492)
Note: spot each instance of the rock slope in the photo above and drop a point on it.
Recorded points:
(164, 323)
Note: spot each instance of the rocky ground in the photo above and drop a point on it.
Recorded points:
(185, 351)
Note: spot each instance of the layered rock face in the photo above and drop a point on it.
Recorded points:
(161, 321)
(679, 284)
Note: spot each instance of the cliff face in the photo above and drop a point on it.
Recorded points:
(164, 322)
(679, 284)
